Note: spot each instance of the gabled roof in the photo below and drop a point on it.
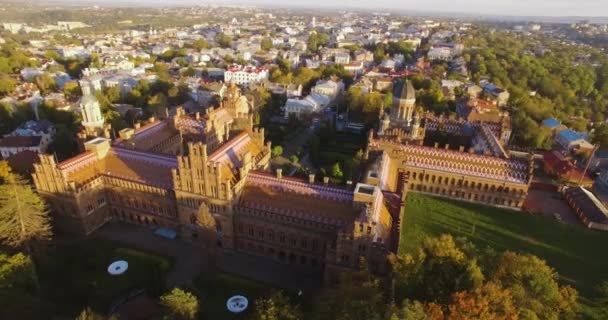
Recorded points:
(590, 205)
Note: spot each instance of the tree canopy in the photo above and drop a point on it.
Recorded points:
(179, 304)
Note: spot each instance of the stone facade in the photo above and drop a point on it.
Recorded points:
(205, 177)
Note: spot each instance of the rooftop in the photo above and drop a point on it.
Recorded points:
(299, 198)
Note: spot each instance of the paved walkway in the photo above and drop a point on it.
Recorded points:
(191, 260)
(548, 203)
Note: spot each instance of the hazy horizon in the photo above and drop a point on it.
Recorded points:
(554, 8)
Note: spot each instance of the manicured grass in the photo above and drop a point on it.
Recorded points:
(74, 276)
(216, 287)
(576, 253)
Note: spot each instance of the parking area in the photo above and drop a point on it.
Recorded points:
(548, 203)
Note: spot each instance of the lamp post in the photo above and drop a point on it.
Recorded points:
(595, 147)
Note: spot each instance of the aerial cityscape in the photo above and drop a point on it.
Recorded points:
(306, 160)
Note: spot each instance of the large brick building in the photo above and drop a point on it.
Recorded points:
(448, 157)
(205, 177)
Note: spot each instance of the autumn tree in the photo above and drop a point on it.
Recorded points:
(276, 307)
(488, 302)
(179, 304)
(435, 271)
(533, 286)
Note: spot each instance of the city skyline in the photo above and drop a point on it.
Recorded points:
(558, 8)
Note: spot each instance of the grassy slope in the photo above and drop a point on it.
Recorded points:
(576, 253)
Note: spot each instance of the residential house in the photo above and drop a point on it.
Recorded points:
(330, 88)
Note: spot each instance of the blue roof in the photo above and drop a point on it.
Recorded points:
(571, 135)
(551, 123)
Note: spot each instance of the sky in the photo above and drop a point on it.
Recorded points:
(592, 8)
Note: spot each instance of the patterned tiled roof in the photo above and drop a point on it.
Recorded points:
(489, 167)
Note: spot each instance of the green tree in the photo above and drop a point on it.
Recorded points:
(89, 314)
(533, 285)
(15, 272)
(294, 159)
(112, 94)
(223, 40)
(336, 171)
(7, 85)
(410, 310)
(189, 72)
(23, 214)
(600, 135)
(276, 151)
(357, 296)
(179, 304)
(71, 89)
(601, 299)
(200, 44)
(45, 83)
(439, 268)
(17, 283)
(266, 44)
(276, 307)
(156, 103)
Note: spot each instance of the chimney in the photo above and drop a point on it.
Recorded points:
(471, 150)
(279, 173)
(311, 178)
(436, 145)
(461, 148)
(325, 180)
(349, 183)
(198, 116)
(151, 119)
(137, 125)
(447, 146)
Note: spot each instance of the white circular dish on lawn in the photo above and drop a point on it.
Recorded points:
(118, 267)
(237, 304)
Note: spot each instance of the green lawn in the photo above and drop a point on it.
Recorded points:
(217, 288)
(576, 253)
(75, 275)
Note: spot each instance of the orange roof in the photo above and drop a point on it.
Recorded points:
(298, 198)
(142, 167)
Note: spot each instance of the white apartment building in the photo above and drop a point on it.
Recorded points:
(245, 75)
